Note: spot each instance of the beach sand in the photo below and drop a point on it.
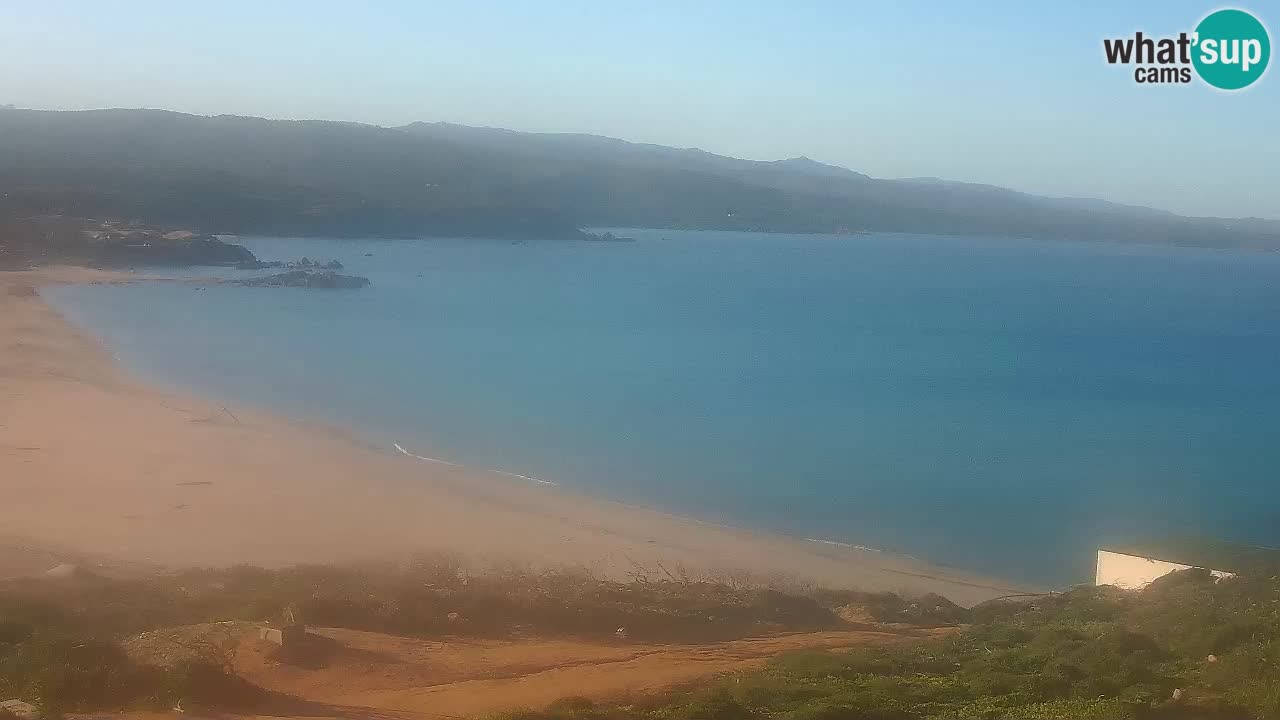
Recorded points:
(94, 462)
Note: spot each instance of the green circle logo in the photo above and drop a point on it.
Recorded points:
(1231, 49)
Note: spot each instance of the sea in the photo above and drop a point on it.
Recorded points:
(999, 406)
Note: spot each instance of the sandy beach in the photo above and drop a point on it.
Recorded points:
(94, 462)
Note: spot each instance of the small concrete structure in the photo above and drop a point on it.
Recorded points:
(286, 636)
(1133, 567)
(1134, 572)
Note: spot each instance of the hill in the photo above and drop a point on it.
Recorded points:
(432, 639)
(251, 175)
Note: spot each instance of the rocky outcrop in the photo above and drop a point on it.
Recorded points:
(305, 263)
(259, 265)
(20, 709)
(145, 250)
(314, 279)
(607, 237)
(12, 260)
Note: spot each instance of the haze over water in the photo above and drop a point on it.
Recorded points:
(1002, 406)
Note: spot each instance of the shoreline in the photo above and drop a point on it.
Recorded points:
(99, 462)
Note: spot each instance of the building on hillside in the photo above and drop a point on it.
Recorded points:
(1133, 567)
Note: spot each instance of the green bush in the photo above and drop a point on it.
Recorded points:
(1089, 654)
(62, 671)
(420, 599)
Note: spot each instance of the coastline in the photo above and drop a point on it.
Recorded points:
(94, 461)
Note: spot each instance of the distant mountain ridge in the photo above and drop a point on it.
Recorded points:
(251, 175)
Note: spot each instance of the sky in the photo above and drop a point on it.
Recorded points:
(1015, 94)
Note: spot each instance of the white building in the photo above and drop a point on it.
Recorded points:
(1134, 572)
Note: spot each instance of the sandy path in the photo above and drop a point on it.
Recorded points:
(92, 461)
(452, 679)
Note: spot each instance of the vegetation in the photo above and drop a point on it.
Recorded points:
(41, 240)
(44, 659)
(248, 175)
(1187, 647)
(428, 597)
(61, 638)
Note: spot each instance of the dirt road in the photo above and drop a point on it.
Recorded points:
(372, 676)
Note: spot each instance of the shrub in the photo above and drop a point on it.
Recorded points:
(1088, 654)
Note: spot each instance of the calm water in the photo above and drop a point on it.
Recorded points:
(1002, 406)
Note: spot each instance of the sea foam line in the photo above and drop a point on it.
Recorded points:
(822, 541)
(454, 464)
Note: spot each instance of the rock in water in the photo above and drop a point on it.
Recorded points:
(321, 279)
(307, 263)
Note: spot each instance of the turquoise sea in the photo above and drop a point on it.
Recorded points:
(1003, 406)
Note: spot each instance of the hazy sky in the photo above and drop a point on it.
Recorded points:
(1009, 93)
